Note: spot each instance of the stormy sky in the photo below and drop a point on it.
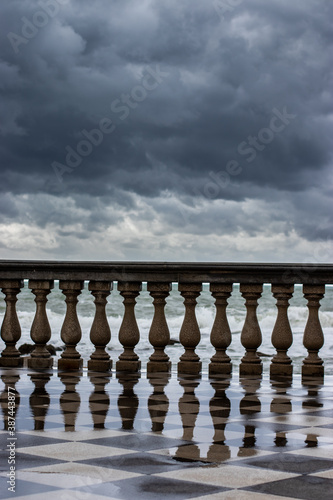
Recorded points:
(166, 130)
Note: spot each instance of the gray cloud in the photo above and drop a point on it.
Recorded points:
(219, 84)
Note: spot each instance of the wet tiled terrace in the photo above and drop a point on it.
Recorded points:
(85, 435)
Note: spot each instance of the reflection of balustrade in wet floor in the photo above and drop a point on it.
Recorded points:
(178, 437)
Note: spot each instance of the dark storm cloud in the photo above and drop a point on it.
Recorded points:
(219, 84)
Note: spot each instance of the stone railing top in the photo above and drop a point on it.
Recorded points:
(183, 272)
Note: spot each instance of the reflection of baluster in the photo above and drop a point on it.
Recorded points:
(12, 396)
(220, 336)
(313, 400)
(219, 408)
(159, 335)
(40, 333)
(10, 329)
(251, 334)
(282, 337)
(313, 339)
(248, 406)
(71, 330)
(128, 401)
(39, 399)
(189, 334)
(100, 333)
(158, 401)
(281, 403)
(129, 334)
(188, 408)
(99, 401)
(70, 399)
(313, 386)
(311, 440)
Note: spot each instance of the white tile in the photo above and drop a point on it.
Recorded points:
(63, 495)
(323, 432)
(241, 495)
(75, 451)
(55, 478)
(326, 474)
(78, 474)
(230, 476)
(297, 419)
(324, 451)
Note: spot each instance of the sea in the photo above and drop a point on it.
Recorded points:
(174, 310)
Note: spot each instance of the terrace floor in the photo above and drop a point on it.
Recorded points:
(83, 435)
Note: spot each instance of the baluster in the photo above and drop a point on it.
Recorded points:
(71, 330)
(129, 334)
(40, 332)
(10, 329)
(159, 335)
(189, 334)
(313, 339)
(282, 336)
(251, 334)
(100, 333)
(220, 336)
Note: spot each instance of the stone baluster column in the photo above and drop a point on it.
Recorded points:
(251, 334)
(40, 332)
(129, 334)
(313, 339)
(100, 333)
(159, 335)
(71, 331)
(10, 329)
(189, 333)
(220, 336)
(282, 336)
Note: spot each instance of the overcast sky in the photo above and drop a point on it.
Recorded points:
(166, 130)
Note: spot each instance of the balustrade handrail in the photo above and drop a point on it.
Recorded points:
(159, 276)
(201, 272)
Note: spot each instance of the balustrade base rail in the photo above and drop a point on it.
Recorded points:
(159, 277)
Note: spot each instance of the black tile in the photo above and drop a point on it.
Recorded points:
(23, 488)
(25, 440)
(151, 488)
(136, 441)
(291, 463)
(25, 460)
(302, 487)
(142, 463)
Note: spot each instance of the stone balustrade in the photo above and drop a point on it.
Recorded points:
(160, 278)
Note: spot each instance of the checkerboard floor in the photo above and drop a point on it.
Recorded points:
(90, 436)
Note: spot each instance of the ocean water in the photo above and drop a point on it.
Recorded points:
(205, 312)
